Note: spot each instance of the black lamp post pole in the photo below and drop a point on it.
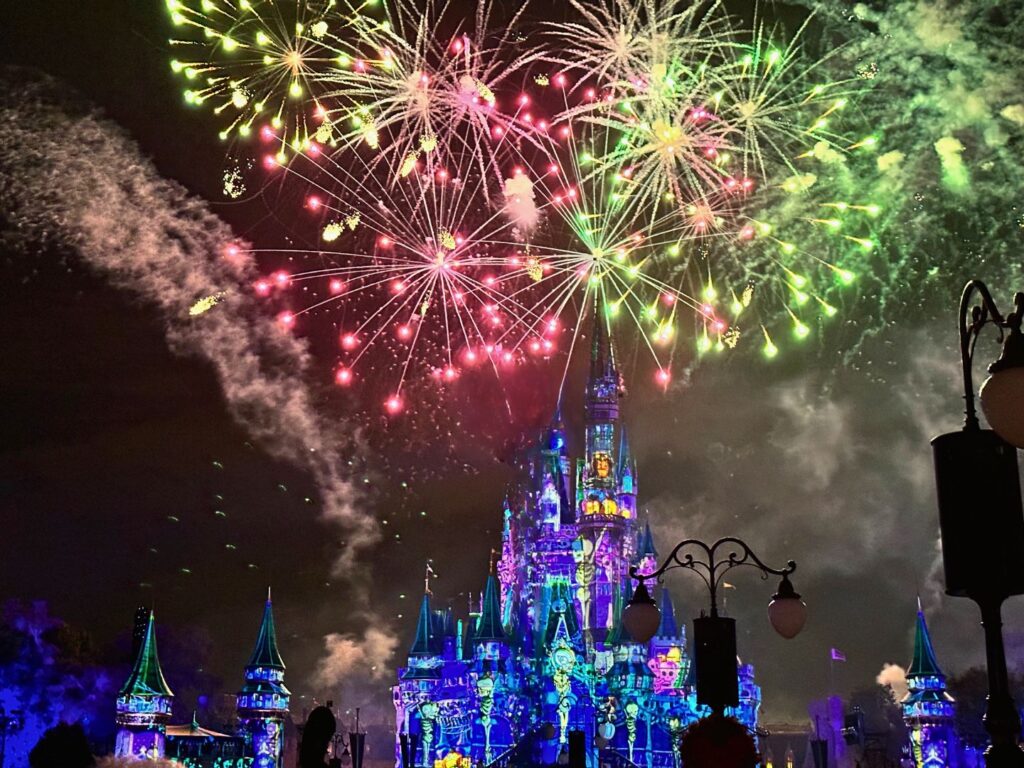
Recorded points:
(714, 636)
(982, 525)
(1001, 719)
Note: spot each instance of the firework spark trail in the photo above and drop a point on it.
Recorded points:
(83, 185)
(950, 78)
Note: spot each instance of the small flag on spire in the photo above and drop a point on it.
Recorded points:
(838, 655)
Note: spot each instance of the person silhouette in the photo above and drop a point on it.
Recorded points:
(316, 735)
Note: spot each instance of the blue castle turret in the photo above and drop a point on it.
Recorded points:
(143, 703)
(262, 704)
(927, 708)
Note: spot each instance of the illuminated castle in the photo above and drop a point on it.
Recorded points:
(144, 709)
(546, 654)
(927, 708)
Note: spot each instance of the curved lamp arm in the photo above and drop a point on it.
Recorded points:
(972, 320)
(712, 568)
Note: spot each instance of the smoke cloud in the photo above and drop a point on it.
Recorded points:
(75, 180)
(520, 206)
(111, 761)
(348, 656)
(893, 677)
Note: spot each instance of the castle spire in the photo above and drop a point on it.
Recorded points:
(645, 547)
(927, 707)
(265, 654)
(146, 678)
(489, 628)
(668, 626)
(627, 464)
(423, 644)
(554, 441)
(144, 702)
(602, 359)
(596, 479)
(924, 663)
(262, 704)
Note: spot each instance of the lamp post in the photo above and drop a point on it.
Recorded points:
(714, 654)
(981, 520)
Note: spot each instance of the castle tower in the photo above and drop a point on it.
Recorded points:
(144, 703)
(596, 480)
(552, 476)
(646, 553)
(927, 708)
(627, 479)
(606, 504)
(262, 703)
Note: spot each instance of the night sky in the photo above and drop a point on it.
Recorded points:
(118, 450)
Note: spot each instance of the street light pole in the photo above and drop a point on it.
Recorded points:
(714, 635)
(981, 518)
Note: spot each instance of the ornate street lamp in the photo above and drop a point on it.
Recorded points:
(714, 655)
(981, 519)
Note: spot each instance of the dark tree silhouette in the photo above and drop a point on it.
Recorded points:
(970, 688)
(63, 746)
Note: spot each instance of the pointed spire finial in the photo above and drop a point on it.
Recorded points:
(268, 593)
(426, 579)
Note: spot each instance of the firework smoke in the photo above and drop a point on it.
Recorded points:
(81, 184)
(520, 206)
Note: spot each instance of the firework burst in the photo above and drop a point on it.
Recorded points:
(421, 83)
(420, 275)
(673, 167)
(258, 62)
(737, 138)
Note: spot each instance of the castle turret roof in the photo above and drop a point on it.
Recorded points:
(924, 663)
(489, 628)
(146, 678)
(266, 654)
(424, 643)
(668, 626)
(645, 545)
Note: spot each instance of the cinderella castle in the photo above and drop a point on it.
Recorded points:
(545, 658)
